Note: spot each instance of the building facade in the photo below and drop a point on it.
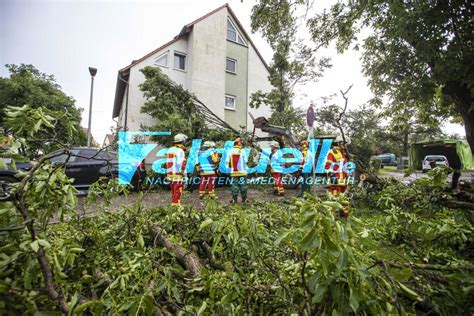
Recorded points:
(214, 58)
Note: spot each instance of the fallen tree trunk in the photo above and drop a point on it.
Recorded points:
(459, 204)
(421, 266)
(188, 259)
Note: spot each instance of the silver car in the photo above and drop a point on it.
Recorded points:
(435, 160)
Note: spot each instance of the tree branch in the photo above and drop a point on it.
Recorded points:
(11, 229)
(422, 266)
(22, 208)
(307, 292)
(188, 259)
(338, 120)
(53, 294)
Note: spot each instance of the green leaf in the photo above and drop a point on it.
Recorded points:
(37, 126)
(77, 250)
(319, 292)
(73, 302)
(149, 305)
(86, 305)
(140, 241)
(202, 308)
(342, 260)
(309, 219)
(48, 313)
(353, 300)
(409, 292)
(126, 306)
(333, 204)
(282, 236)
(309, 239)
(13, 165)
(35, 246)
(44, 243)
(3, 164)
(205, 223)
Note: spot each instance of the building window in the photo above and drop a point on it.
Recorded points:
(241, 41)
(231, 65)
(162, 60)
(179, 61)
(229, 102)
(232, 33)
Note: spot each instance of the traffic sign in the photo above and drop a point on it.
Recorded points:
(310, 116)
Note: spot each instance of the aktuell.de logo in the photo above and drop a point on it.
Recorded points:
(286, 160)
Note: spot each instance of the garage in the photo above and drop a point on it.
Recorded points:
(457, 152)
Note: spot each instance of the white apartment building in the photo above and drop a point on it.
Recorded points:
(214, 58)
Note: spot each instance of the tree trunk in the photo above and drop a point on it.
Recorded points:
(462, 97)
(405, 142)
(469, 127)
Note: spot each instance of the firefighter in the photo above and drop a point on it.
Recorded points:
(335, 162)
(207, 170)
(305, 186)
(176, 168)
(276, 175)
(238, 172)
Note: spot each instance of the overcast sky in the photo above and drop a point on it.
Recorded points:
(65, 37)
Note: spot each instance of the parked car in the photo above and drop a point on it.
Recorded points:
(388, 159)
(84, 164)
(7, 176)
(433, 161)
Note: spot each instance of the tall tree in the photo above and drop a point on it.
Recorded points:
(408, 125)
(419, 53)
(362, 125)
(293, 62)
(26, 85)
(174, 108)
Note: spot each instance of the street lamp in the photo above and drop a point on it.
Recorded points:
(93, 72)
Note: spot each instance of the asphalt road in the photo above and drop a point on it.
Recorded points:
(162, 197)
(466, 175)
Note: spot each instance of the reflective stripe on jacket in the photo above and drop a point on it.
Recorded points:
(209, 165)
(237, 162)
(176, 165)
(335, 156)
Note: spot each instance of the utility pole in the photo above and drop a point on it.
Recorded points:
(93, 72)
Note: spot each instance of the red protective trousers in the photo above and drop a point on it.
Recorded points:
(207, 185)
(337, 189)
(176, 191)
(278, 183)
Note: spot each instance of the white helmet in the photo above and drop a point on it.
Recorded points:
(339, 139)
(275, 144)
(180, 138)
(209, 144)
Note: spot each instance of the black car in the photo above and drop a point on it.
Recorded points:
(86, 165)
(7, 176)
(83, 164)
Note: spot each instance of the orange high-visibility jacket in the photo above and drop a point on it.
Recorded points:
(335, 155)
(304, 152)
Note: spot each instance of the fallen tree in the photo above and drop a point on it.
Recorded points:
(401, 251)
